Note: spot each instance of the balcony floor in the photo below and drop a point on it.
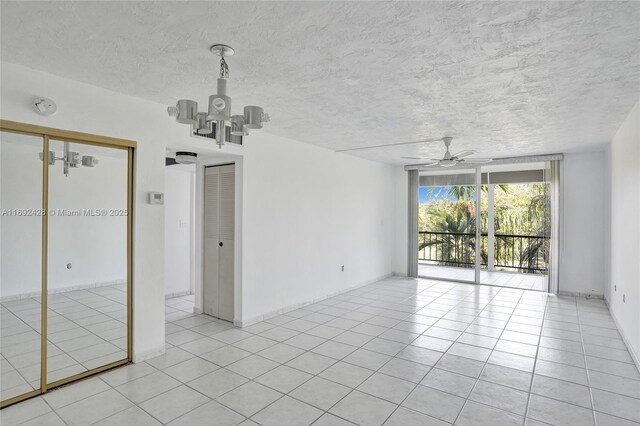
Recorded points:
(498, 278)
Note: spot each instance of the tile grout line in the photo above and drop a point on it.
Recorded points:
(352, 390)
(586, 366)
(487, 361)
(535, 360)
(443, 354)
(396, 306)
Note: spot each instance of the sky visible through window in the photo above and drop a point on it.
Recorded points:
(438, 193)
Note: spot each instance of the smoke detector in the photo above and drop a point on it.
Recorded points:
(184, 157)
(44, 106)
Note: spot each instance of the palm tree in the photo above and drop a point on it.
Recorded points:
(536, 253)
(455, 241)
(460, 192)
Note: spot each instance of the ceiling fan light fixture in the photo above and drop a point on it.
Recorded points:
(452, 160)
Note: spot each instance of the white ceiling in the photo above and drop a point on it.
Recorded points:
(504, 78)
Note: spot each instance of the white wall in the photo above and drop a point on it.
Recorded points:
(86, 108)
(306, 212)
(582, 257)
(20, 236)
(625, 230)
(178, 223)
(94, 246)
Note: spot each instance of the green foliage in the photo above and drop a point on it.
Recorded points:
(454, 220)
(519, 209)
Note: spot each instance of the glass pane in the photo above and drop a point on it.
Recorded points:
(447, 225)
(87, 258)
(516, 226)
(20, 263)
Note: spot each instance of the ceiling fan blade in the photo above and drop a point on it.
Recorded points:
(478, 160)
(422, 158)
(425, 164)
(464, 153)
(389, 144)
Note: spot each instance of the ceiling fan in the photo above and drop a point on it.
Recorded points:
(452, 160)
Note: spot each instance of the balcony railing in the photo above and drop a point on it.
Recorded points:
(519, 253)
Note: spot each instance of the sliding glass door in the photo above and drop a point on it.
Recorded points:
(516, 226)
(65, 257)
(447, 225)
(488, 225)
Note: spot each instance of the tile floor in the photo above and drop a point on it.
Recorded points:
(87, 329)
(536, 282)
(397, 352)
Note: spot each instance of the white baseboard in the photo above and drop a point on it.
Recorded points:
(579, 294)
(634, 356)
(62, 290)
(259, 318)
(148, 354)
(178, 294)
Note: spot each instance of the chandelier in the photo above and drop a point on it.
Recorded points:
(70, 159)
(218, 123)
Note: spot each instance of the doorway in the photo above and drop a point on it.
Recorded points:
(179, 232)
(65, 258)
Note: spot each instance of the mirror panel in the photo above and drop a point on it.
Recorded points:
(20, 263)
(87, 258)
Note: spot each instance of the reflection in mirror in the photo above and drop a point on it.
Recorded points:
(20, 263)
(87, 258)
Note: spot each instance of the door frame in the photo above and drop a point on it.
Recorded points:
(199, 232)
(130, 146)
(478, 231)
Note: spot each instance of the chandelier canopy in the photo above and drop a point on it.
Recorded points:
(218, 123)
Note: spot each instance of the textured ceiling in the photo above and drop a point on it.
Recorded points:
(504, 78)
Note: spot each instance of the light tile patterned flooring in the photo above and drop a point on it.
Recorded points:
(397, 352)
(536, 282)
(86, 329)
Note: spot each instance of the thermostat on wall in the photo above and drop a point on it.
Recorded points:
(156, 198)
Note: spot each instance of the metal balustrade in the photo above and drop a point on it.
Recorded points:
(518, 253)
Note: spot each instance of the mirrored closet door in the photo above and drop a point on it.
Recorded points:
(20, 264)
(87, 258)
(65, 259)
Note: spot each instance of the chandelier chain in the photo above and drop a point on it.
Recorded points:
(224, 68)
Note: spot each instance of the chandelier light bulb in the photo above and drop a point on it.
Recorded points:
(202, 127)
(187, 111)
(237, 125)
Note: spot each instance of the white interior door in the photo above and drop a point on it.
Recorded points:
(219, 218)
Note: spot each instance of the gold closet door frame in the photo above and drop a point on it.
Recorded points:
(48, 133)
